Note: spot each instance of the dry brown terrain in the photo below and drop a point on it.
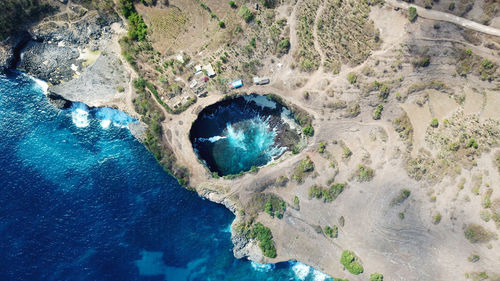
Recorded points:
(436, 137)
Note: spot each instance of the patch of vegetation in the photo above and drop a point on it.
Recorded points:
(306, 55)
(475, 233)
(153, 116)
(436, 219)
(377, 113)
(304, 167)
(433, 84)
(403, 126)
(275, 207)
(346, 151)
(468, 62)
(321, 148)
(376, 277)
(332, 232)
(352, 77)
(308, 131)
(412, 14)
(346, 34)
(265, 237)
(422, 61)
(364, 173)
(246, 14)
(137, 29)
(434, 123)
(402, 196)
(474, 258)
(327, 194)
(296, 202)
(351, 262)
(232, 4)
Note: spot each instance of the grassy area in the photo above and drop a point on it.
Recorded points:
(351, 262)
(346, 33)
(306, 55)
(469, 63)
(266, 202)
(476, 233)
(304, 167)
(327, 194)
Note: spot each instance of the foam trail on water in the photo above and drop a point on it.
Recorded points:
(301, 270)
(262, 267)
(213, 139)
(80, 114)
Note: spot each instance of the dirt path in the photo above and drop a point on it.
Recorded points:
(315, 36)
(293, 28)
(441, 16)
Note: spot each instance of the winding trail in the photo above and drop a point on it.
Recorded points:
(442, 16)
(315, 36)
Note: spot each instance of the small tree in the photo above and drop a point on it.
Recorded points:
(232, 4)
(222, 24)
(308, 130)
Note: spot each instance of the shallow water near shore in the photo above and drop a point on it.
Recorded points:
(82, 199)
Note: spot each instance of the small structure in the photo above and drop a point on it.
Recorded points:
(236, 84)
(197, 69)
(209, 69)
(260, 81)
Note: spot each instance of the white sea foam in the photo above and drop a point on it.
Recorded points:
(105, 124)
(301, 270)
(41, 84)
(261, 101)
(319, 276)
(236, 137)
(80, 115)
(262, 267)
(117, 117)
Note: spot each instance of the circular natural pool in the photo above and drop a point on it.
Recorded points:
(236, 134)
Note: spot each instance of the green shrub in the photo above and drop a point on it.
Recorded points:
(376, 277)
(473, 143)
(222, 24)
(378, 112)
(305, 166)
(284, 46)
(265, 237)
(364, 173)
(332, 232)
(352, 77)
(412, 14)
(402, 196)
(322, 147)
(245, 13)
(232, 4)
(474, 258)
(475, 233)
(434, 123)
(327, 194)
(436, 219)
(351, 262)
(308, 130)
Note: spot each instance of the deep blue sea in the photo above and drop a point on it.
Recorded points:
(82, 199)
